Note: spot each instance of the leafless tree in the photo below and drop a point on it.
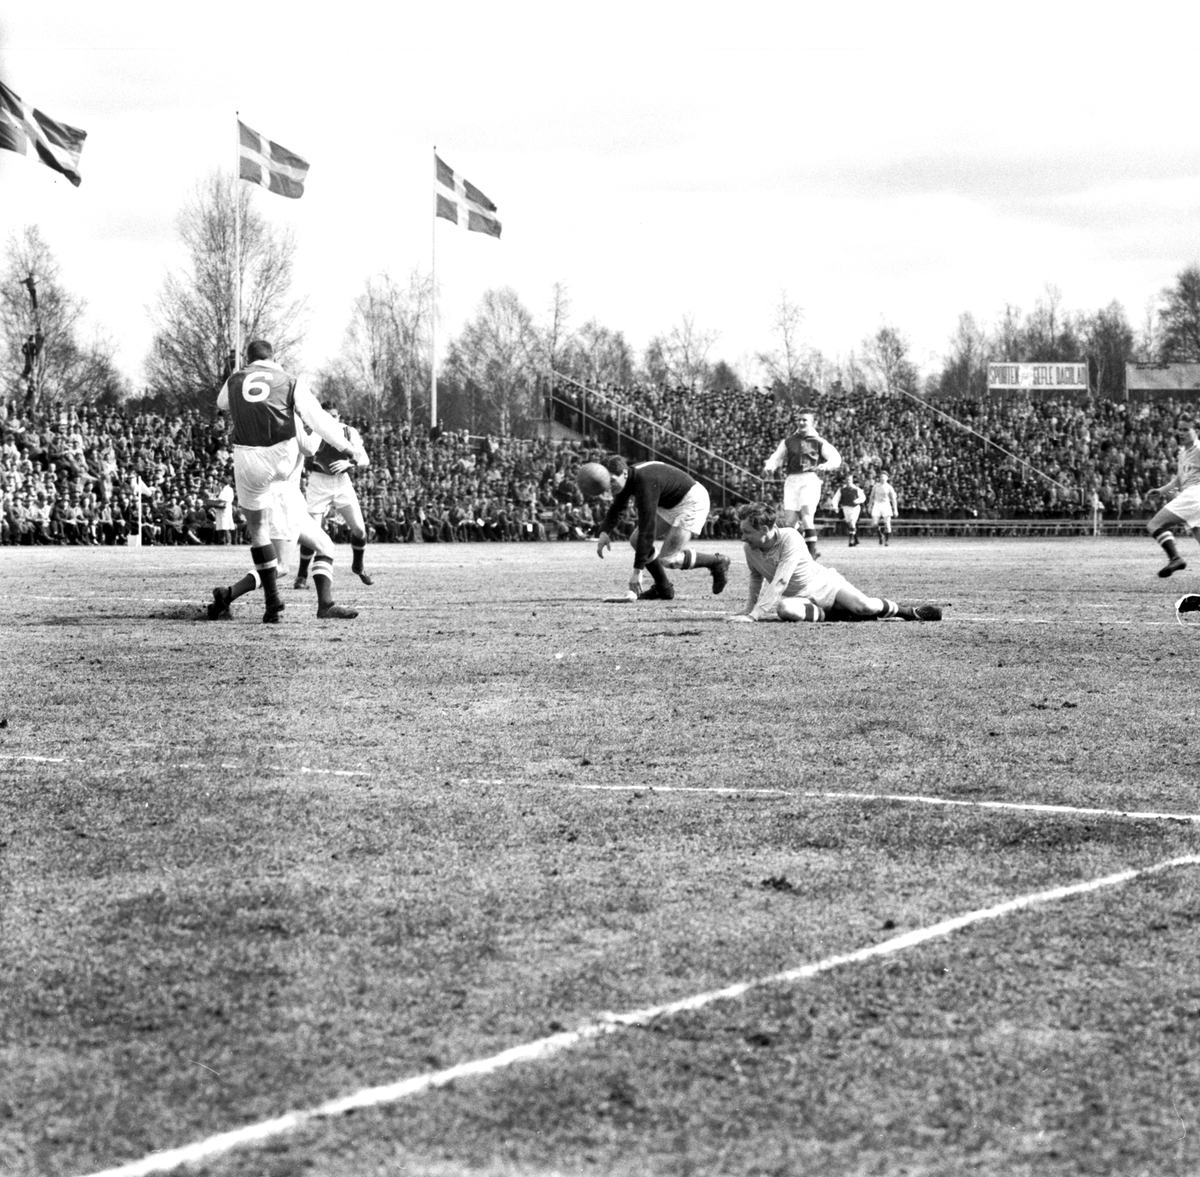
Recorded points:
(495, 359)
(885, 357)
(44, 358)
(193, 315)
(681, 356)
(785, 366)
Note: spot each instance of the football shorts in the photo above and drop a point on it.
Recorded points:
(881, 511)
(258, 469)
(1186, 504)
(802, 492)
(289, 512)
(819, 584)
(330, 492)
(691, 513)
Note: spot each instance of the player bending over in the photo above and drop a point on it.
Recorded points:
(786, 581)
(330, 489)
(672, 507)
(1183, 510)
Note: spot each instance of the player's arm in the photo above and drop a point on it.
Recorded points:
(612, 516)
(361, 459)
(755, 588)
(223, 398)
(772, 463)
(830, 458)
(646, 498)
(320, 422)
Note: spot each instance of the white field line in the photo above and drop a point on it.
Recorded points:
(907, 798)
(227, 767)
(607, 1023)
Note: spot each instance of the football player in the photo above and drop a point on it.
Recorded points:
(672, 509)
(1183, 510)
(786, 581)
(330, 489)
(808, 456)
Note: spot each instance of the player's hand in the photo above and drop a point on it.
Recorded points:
(739, 617)
(339, 466)
(602, 542)
(635, 583)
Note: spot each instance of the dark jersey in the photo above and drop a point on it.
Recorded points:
(803, 452)
(326, 454)
(262, 405)
(850, 496)
(650, 485)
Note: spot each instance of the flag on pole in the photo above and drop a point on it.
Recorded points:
(262, 162)
(57, 145)
(474, 204)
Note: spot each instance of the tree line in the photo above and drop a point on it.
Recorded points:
(492, 374)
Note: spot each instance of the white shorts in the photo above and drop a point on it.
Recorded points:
(692, 511)
(289, 512)
(258, 469)
(851, 514)
(883, 511)
(801, 492)
(821, 585)
(1186, 504)
(330, 492)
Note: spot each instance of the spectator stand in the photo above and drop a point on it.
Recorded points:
(638, 438)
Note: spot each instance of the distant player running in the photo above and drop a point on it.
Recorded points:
(883, 506)
(672, 507)
(807, 455)
(849, 499)
(1183, 510)
(785, 581)
(330, 489)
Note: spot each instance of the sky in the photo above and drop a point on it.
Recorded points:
(882, 164)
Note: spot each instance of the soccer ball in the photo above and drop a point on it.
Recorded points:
(592, 479)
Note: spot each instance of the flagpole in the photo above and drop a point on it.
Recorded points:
(237, 247)
(433, 293)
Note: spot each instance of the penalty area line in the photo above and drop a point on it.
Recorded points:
(906, 798)
(610, 1023)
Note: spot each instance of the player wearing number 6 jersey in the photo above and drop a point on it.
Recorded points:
(263, 401)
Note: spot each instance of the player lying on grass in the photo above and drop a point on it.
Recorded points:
(786, 582)
(1183, 510)
(289, 523)
(672, 507)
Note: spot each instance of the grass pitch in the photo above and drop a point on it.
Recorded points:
(248, 869)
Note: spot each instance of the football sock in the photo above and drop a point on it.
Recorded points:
(322, 571)
(306, 555)
(698, 559)
(1166, 541)
(358, 547)
(266, 566)
(890, 608)
(247, 584)
(810, 538)
(659, 573)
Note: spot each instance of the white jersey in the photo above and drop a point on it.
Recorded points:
(1187, 470)
(788, 570)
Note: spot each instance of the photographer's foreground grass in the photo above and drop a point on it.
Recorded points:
(250, 869)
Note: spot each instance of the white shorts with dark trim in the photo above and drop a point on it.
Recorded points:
(692, 511)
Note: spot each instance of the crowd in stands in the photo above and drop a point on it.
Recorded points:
(85, 474)
(947, 459)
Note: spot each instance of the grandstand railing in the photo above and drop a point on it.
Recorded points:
(639, 439)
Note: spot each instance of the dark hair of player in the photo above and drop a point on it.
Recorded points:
(615, 465)
(758, 515)
(260, 349)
